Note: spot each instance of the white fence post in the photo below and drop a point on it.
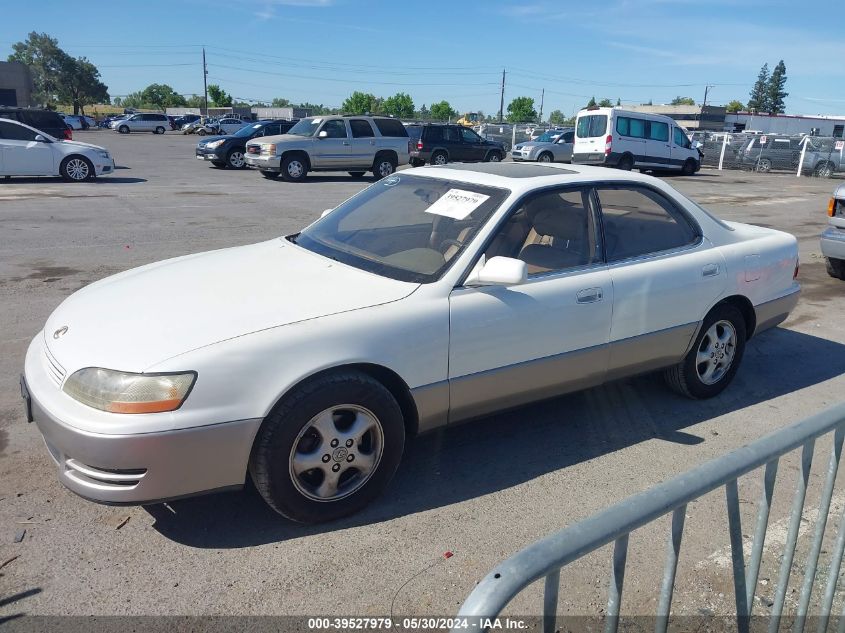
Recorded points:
(513, 136)
(803, 153)
(722, 153)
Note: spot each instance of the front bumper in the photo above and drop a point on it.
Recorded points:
(207, 154)
(136, 468)
(263, 162)
(833, 242)
(518, 155)
(104, 167)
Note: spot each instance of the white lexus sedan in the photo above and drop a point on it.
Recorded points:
(25, 151)
(433, 296)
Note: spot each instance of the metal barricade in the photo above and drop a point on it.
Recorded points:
(547, 557)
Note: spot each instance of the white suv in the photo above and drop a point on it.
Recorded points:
(142, 122)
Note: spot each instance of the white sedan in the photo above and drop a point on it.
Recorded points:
(435, 295)
(24, 151)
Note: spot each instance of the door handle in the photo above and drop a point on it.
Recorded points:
(710, 270)
(588, 295)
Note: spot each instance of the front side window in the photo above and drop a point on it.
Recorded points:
(658, 131)
(361, 128)
(681, 139)
(12, 132)
(591, 125)
(408, 228)
(335, 128)
(306, 127)
(469, 136)
(639, 221)
(552, 231)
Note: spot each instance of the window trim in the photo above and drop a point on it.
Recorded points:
(698, 235)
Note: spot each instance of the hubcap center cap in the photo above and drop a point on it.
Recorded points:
(340, 454)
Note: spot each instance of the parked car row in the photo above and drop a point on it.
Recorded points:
(230, 150)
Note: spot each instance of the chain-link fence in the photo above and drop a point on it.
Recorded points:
(510, 134)
(819, 156)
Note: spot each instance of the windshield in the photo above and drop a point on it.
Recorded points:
(248, 130)
(408, 228)
(306, 127)
(547, 137)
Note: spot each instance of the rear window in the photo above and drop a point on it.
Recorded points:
(414, 132)
(391, 127)
(592, 125)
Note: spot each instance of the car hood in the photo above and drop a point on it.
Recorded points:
(211, 139)
(281, 138)
(141, 317)
(535, 144)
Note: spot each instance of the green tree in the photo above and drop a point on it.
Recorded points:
(735, 106)
(423, 112)
(683, 101)
(605, 103)
(314, 108)
(160, 96)
(442, 111)
(592, 102)
(280, 102)
(47, 63)
(557, 117)
(399, 105)
(81, 85)
(759, 96)
(134, 100)
(775, 92)
(218, 97)
(195, 101)
(360, 103)
(521, 110)
(618, 102)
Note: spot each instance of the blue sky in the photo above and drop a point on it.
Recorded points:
(322, 50)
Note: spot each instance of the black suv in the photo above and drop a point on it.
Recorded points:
(228, 151)
(42, 120)
(439, 144)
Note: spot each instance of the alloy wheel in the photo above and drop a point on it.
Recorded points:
(716, 352)
(237, 160)
(295, 169)
(77, 169)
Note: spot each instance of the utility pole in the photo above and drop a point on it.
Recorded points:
(502, 100)
(542, 98)
(205, 80)
(703, 103)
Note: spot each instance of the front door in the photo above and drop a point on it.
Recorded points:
(665, 277)
(510, 345)
(22, 155)
(474, 147)
(332, 149)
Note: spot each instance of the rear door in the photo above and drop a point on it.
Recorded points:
(363, 143)
(658, 147)
(452, 143)
(22, 155)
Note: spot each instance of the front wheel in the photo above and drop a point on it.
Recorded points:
(159, 130)
(545, 157)
(123, 129)
(236, 159)
(493, 157)
(763, 165)
(689, 167)
(328, 448)
(77, 169)
(713, 360)
(835, 267)
(294, 169)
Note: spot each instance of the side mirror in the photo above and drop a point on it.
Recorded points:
(499, 271)
(322, 134)
(326, 212)
(40, 138)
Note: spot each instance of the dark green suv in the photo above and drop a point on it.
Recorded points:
(439, 144)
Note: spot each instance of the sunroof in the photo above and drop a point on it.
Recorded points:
(509, 170)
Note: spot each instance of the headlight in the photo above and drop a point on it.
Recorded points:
(214, 144)
(268, 148)
(122, 392)
(518, 147)
(103, 153)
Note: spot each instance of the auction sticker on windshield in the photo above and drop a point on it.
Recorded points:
(457, 203)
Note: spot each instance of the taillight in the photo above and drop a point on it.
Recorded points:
(795, 274)
(831, 207)
(419, 144)
(68, 134)
(607, 143)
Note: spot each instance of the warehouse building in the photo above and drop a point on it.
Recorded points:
(691, 117)
(820, 125)
(15, 84)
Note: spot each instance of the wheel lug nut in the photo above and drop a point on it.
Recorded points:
(336, 468)
(335, 443)
(349, 443)
(326, 458)
(350, 457)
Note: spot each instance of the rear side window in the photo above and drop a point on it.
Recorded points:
(434, 134)
(658, 131)
(391, 127)
(627, 126)
(592, 125)
(414, 132)
(361, 128)
(639, 221)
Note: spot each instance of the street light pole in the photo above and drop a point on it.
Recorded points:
(703, 105)
(205, 80)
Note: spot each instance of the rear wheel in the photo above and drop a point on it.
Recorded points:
(123, 129)
(835, 267)
(545, 157)
(713, 360)
(763, 165)
(294, 169)
(77, 169)
(626, 163)
(159, 130)
(201, 132)
(328, 448)
(383, 166)
(439, 158)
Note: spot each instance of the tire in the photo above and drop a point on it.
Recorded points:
(312, 427)
(270, 175)
(357, 174)
(294, 169)
(123, 129)
(824, 170)
(835, 267)
(689, 167)
(626, 163)
(713, 360)
(159, 130)
(383, 166)
(763, 165)
(544, 157)
(439, 158)
(493, 157)
(201, 132)
(236, 159)
(77, 169)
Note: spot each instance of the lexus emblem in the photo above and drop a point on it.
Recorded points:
(60, 332)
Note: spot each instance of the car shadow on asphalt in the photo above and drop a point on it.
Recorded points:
(100, 180)
(504, 450)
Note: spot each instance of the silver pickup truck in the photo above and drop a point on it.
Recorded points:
(356, 144)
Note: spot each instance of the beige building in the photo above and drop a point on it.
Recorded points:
(15, 84)
(689, 116)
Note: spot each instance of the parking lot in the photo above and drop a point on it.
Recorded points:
(481, 491)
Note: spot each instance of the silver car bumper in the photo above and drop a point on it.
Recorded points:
(139, 468)
(833, 242)
(266, 163)
(519, 155)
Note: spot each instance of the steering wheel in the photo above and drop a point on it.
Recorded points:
(445, 244)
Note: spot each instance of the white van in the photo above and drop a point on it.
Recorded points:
(620, 138)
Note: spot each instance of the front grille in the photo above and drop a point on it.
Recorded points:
(253, 149)
(103, 477)
(54, 368)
